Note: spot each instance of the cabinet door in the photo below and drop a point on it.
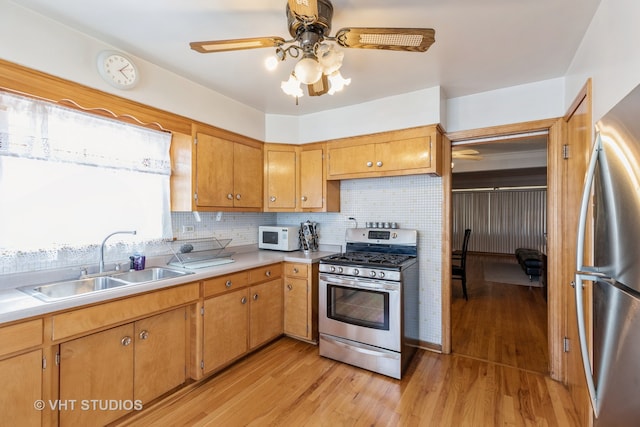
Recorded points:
(311, 179)
(225, 328)
(93, 370)
(247, 176)
(214, 171)
(352, 159)
(160, 354)
(21, 388)
(405, 154)
(281, 179)
(266, 312)
(296, 307)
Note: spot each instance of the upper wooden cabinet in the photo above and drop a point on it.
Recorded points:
(402, 152)
(280, 170)
(228, 173)
(295, 179)
(214, 170)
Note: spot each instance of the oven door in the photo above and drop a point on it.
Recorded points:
(360, 309)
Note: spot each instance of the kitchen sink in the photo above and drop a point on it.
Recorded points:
(73, 288)
(149, 275)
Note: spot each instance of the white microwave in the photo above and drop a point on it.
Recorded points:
(278, 237)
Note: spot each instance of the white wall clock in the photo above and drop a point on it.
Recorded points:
(117, 69)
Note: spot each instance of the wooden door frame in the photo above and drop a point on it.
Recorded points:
(555, 129)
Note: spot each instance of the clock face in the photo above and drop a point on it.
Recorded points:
(117, 70)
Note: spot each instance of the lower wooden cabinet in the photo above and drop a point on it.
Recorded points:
(21, 389)
(160, 354)
(108, 374)
(21, 372)
(301, 301)
(225, 329)
(245, 316)
(265, 312)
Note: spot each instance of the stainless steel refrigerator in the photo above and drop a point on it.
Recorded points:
(613, 179)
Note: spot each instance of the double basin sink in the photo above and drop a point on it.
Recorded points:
(72, 288)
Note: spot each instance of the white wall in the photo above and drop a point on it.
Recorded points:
(412, 109)
(40, 43)
(608, 54)
(533, 101)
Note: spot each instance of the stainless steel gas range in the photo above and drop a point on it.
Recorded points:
(368, 300)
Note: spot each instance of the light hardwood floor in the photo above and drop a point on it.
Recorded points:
(499, 323)
(288, 384)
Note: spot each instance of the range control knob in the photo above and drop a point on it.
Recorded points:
(381, 274)
(372, 273)
(332, 268)
(356, 271)
(340, 270)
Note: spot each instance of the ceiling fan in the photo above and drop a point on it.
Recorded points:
(309, 23)
(466, 154)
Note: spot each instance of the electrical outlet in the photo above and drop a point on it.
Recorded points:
(188, 228)
(218, 216)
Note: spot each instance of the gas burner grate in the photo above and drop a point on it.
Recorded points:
(369, 258)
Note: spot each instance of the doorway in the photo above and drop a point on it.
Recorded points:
(501, 322)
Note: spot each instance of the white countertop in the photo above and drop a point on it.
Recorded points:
(16, 305)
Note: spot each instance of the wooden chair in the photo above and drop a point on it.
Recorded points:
(459, 263)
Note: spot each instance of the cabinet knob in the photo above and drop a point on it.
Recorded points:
(230, 196)
(290, 287)
(228, 284)
(272, 199)
(295, 270)
(304, 198)
(369, 164)
(243, 300)
(268, 273)
(144, 335)
(238, 196)
(379, 163)
(255, 297)
(126, 341)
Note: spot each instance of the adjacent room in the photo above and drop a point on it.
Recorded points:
(499, 198)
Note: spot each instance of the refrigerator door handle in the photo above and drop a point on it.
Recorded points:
(586, 273)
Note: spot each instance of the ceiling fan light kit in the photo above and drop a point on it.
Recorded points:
(309, 23)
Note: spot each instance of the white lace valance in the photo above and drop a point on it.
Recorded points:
(41, 130)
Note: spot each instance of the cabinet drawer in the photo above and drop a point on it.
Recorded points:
(221, 284)
(111, 313)
(21, 336)
(267, 272)
(296, 270)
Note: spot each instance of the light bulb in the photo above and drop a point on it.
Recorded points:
(308, 71)
(292, 87)
(271, 63)
(329, 58)
(337, 82)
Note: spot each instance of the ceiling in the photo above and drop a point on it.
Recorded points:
(515, 152)
(480, 45)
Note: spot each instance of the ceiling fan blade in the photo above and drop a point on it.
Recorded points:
(305, 10)
(320, 87)
(468, 151)
(236, 44)
(466, 156)
(404, 39)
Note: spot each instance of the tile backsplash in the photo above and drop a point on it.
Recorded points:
(411, 201)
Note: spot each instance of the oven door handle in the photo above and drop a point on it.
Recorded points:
(353, 346)
(359, 283)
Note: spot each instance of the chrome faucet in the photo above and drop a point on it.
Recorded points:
(101, 266)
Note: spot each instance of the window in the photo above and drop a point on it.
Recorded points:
(69, 178)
